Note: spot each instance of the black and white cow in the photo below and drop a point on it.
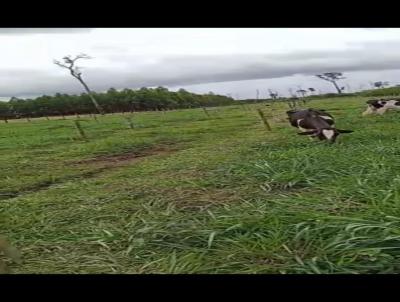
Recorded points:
(316, 123)
(381, 106)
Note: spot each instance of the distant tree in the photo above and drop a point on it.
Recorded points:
(76, 72)
(332, 77)
(112, 101)
(291, 93)
(377, 84)
(302, 92)
(19, 108)
(4, 111)
(380, 84)
(293, 100)
(311, 89)
(273, 94)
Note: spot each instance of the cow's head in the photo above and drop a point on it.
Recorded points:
(373, 106)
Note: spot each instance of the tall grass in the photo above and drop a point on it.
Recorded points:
(223, 197)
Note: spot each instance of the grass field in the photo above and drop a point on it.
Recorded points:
(186, 193)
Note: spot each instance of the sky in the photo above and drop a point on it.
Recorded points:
(234, 61)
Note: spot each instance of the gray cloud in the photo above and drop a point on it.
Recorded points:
(201, 69)
(32, 82)
(30, 31)
(189, 70)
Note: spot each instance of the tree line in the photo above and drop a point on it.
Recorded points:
(127, 100)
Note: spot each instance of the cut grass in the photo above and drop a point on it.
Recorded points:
(230, 198)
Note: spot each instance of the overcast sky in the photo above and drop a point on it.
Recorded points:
(234, 61)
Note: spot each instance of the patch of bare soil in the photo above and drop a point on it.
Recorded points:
(102, 163)
(128, 157)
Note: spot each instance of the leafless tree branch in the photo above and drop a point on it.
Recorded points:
(69, 63)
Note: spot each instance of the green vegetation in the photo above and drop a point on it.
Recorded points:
(184, 192)
(382, 92)
(127, 100)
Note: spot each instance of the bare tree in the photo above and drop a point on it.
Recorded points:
(292, 100)
(332, 77)
(76, 72)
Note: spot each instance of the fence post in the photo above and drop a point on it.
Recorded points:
(264, 119)
(80, 129)
(206, 112)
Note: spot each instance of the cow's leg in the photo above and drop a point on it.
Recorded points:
(311, 138)
(381, 110)
(369, 111)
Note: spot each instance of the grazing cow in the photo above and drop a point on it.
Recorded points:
(316, 123)
(381, 106)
